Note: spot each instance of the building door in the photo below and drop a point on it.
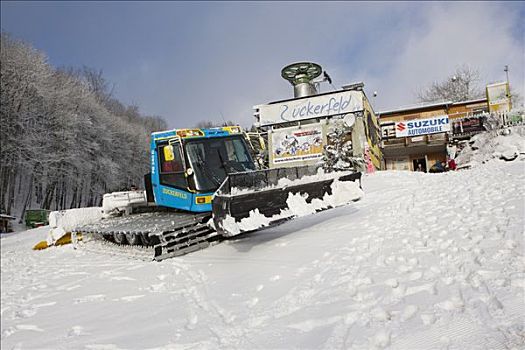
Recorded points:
(419, 164)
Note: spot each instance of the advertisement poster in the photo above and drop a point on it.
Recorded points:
(368, 160)
(467, 125)
(303, 144)
(373, 137)
(498, 97)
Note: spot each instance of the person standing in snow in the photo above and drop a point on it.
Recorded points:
(437, 167)
(451, 164)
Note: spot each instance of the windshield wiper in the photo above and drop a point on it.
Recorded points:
(224, 164)
(231, 165)
(206, 171)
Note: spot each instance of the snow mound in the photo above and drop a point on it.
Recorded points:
(119, 201)
(506, 144)
(71, 218)
(67, 220)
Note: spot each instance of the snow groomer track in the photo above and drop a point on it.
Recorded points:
(163, 234)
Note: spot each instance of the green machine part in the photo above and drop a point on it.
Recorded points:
(37, 217)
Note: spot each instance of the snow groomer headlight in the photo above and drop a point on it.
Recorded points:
(189, 133)
(232, 129)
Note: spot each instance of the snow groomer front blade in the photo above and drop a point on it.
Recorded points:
(266, 192)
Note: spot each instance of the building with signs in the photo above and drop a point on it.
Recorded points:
(418, 136)
(299, 128)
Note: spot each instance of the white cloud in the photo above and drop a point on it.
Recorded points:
(394, 48)
(236, 53)
(196, 61)
(477, 34)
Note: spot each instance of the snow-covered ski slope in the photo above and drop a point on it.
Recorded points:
(423, 261)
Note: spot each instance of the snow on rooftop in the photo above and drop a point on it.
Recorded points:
(415, 106)
(429, 105)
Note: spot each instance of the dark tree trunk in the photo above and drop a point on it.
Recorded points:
(48, 198)
(27, 201)
(73, 197)
(11, 198)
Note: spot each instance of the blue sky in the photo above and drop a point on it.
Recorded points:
(193, 61)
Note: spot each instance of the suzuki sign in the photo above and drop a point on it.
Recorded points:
(426, 126)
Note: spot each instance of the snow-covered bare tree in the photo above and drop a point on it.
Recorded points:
(516, 98)
(462, 85)
(207, 124)
(24, 72)
(338, 153)
(65, 140)
(96, 83)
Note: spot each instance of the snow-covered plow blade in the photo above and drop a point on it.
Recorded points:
(250, 200)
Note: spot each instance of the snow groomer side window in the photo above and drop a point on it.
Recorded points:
(172, 166)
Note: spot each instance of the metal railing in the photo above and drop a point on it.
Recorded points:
(512, 118)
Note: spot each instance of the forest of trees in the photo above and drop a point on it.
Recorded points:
(65, 140)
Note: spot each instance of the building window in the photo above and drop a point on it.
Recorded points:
(388, 131)
(398, 164)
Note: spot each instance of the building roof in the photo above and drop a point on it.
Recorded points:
(430, 105)
(416, 106)
(476, 100)
(497, 84)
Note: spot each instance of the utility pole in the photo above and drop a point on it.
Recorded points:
(506, 70)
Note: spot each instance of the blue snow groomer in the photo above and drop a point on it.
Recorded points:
(203, 184)
(189, 165)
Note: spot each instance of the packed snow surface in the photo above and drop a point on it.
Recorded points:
(423, 261)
